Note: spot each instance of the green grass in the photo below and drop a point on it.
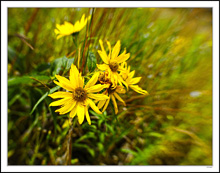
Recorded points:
(171, 49)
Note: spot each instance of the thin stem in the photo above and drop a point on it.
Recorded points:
(84, 58)
(75, 41)
(113, 112)
(69, 143)
(78, 58)
(89, 40)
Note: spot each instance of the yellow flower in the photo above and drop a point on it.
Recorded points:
(128, 77)
(111, 92)
(68, 28)
(112, 62)
(78, 99)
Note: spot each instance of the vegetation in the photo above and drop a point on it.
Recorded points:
(171, 49)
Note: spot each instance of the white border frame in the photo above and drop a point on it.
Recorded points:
(129, 4)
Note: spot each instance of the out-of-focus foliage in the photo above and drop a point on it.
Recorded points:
(170, 48)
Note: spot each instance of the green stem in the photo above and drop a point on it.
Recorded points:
(69, 143)
(88, 38)
(75, 41)
(113, 112)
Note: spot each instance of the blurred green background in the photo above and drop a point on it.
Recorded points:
(171, 48)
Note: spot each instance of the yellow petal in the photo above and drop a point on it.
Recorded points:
(87, 115)
(60, 102)
(58, 26)
(96, 88)
(74, 76)
(116, 50)
(98, 96)
(65, 29)
(135, 80)
(82, 19)
(120, 90)
(114, 104)
(119, 98)
(73, 111)
(106, 105)
(59, 36)
(125, 83)
(77, 27)
(101, 103)
(122, 69)
(89, 17)
(61, 94)
(110, 50)
(81, 81)
(67, 107)
(68, 25)
(104, 56)
(120, 80)
(138, 89)
(130, 75)
(56, 31)
(129, 67)
(101, 45)
(102, 67)
(93, 80)
(122, 58)
(93, 106)
(80, 113)
(65, 82)
(64, 86)
(68, 28)
(114, 79)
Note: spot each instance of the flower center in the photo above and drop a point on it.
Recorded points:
(111, 90)
(113, 66)
(103, 78)
(79, 94)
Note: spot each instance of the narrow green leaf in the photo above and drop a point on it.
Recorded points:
(155, 134)
(25, 80)
(43, 97)
(91, 151)
(125, 150)
(101, 147)
(86, 136)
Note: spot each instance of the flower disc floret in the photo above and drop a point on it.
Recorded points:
(80, 94)
(114, 66)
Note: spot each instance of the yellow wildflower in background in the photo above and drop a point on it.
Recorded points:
(112, 62)
(68, 28)
(78, 99)
(131, 82)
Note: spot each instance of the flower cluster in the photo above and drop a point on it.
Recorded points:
(112, 78)
(116, 75)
